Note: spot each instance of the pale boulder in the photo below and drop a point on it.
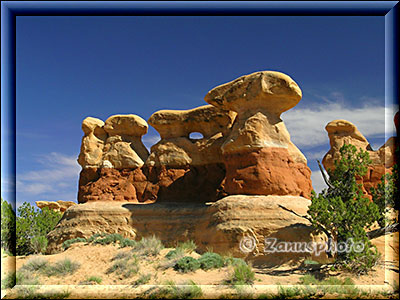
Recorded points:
(91, 154)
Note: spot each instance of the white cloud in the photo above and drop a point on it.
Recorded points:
(307, 125)
(315, 155)
(150, 140)
(56, 180)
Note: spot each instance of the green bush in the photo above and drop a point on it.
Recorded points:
(127, 243)
(66, 244)
(242, 274)
(39, 244)
(234, 261)
(211, 260)
(187, 264)
(109, 239)
(95, 279)
(95, 237)
(176, 253)
(62, 268)
(7, 227)
(9, 281)
(32, 223)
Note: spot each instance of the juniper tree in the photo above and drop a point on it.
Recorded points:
(344, 213)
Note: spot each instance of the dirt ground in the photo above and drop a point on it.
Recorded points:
(95, 260)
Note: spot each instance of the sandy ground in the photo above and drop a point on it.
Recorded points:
(95, 260)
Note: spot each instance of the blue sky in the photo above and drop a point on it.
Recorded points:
(69, 68)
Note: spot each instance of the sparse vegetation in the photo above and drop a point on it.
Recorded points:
(7, 227)
(188, 290)
(35, 264)
(148, 246)
(211, 260)
(187, 246)
(143, 279)
(187, 264)
(109, 239)
(68, 243)
(62, 268)
(241, 274)
(95, 279)
(125, 267)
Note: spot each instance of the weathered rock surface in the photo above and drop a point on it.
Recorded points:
(92, 143)
(185, 169)
(59, 205)
(220, 225)
(342, 132)
(259, 144)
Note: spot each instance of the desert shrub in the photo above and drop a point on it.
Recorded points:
(32, 223)
(176, 253)
(127, 243)
(35, 264)
(187, 264)
(122, 255)
(30, 292)
(211, 260)
(62, 268)
(187, 246)
(148, 246)
(109, 239)
(189, 290)
(125, 267)
(234, 261)
(343, 212)
(7, 227)
(96, 236)
(66, 244)
(241, 274)
(143, 279)
(95, 279)
(39, 244)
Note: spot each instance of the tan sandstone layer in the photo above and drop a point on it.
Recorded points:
(220, 225)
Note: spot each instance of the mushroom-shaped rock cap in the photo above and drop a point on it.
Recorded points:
(90, 124)
(344, 128)
(132, 125)
(272, 91)
(206, 119)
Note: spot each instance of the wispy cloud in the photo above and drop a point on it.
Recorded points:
(150, 140)
(307, 125)
(55, 180)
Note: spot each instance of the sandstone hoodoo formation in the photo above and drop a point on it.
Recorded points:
(233, 182)
(109, 152)
(259, 156)
(344, 132)
(185, 169)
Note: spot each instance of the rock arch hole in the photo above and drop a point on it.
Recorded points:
(196, 136)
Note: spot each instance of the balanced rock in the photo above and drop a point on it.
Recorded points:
(259, 157)
(186, 169)
(91, 154)
(108, 148)
(342, 132)
(60, 205)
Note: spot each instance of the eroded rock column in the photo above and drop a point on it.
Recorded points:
(259, 157)
(185, 169)
(111, 156)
